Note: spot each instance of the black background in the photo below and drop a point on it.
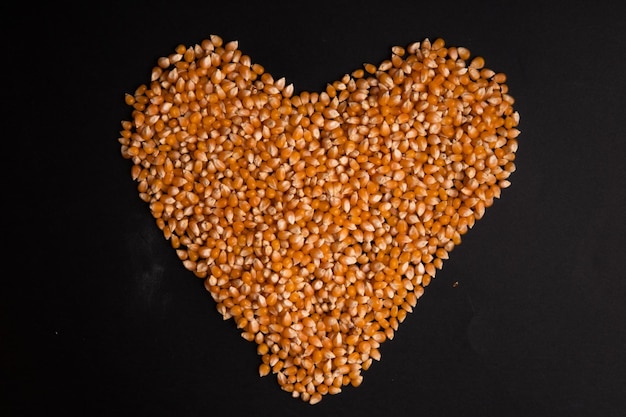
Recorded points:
(99, 318)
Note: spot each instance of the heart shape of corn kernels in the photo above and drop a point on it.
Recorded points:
(316, 220)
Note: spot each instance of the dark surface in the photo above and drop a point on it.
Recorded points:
(99, 318)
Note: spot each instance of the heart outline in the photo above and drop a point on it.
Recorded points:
(323, 141)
